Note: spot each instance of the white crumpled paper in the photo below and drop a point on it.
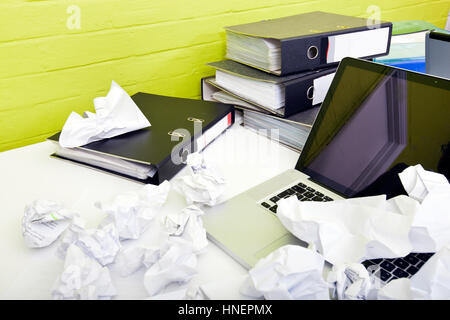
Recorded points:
(183, 230)
(43, 222)
(290, 272)
(132, 212)
(352, 282)
(102, 244)
(83, 278)
(431, 282)
(188, 225)
(130, 260)
(177, 264)
(349, 231)
(353, 230)
(203, 184)
(116, 114)
(430, 229)
(429, 232)
(418, 182)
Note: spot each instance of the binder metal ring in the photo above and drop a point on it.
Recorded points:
(310, 93)
(176, 134)
(195, 119)
(312, 52)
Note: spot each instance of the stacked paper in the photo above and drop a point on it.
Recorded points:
(262, 52)
(267, 94)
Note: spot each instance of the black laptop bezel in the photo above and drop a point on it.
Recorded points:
(422, 78)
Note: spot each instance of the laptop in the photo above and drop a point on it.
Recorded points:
(374, 118)
(437, 53)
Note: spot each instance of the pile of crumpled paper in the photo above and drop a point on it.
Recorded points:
(347, 232)
(88, 253)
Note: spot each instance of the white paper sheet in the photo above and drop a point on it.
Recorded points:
(83, 278)
(418, 182)
(153, 254)
(290, 272)
(429, 232)
(203, 184)
(188, 225)
(130, 260)
(132, 212)
(352, 282)
(116, 114)
(178, 264)
(102, 244)
(43, 222)
(348, 231)
(431, 282)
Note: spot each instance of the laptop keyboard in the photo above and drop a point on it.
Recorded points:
(390, 269)
(385, 269)
(301, 191)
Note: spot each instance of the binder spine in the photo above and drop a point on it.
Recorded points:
(211, 133)
(309, 53)
(299, 54)
(298, 96)
(300, 92)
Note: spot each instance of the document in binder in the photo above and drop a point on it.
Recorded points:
(282, 96)
(306, 41)
(147, 155)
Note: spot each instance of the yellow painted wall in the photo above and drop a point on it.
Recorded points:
(49, 66)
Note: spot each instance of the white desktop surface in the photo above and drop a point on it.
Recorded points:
(29, 173)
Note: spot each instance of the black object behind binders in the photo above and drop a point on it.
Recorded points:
(154, 145)
(306, 41)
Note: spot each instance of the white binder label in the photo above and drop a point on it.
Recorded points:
(357, 44)
(321, 86)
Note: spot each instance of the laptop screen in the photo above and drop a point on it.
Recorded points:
(373, 118)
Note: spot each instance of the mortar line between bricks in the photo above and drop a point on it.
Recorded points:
(162, 22)
(110, 60)
(231, 12)
(28, 106)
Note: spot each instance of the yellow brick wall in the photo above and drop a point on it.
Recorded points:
(50, 65)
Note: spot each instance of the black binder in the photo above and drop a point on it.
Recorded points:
(306, 40)
(154, 145)
(299, 87)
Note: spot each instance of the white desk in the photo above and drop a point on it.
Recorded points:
(29, 173)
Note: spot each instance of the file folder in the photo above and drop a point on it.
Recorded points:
(307, 41)
(292, 131)
(172, 130)
(301, 90)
